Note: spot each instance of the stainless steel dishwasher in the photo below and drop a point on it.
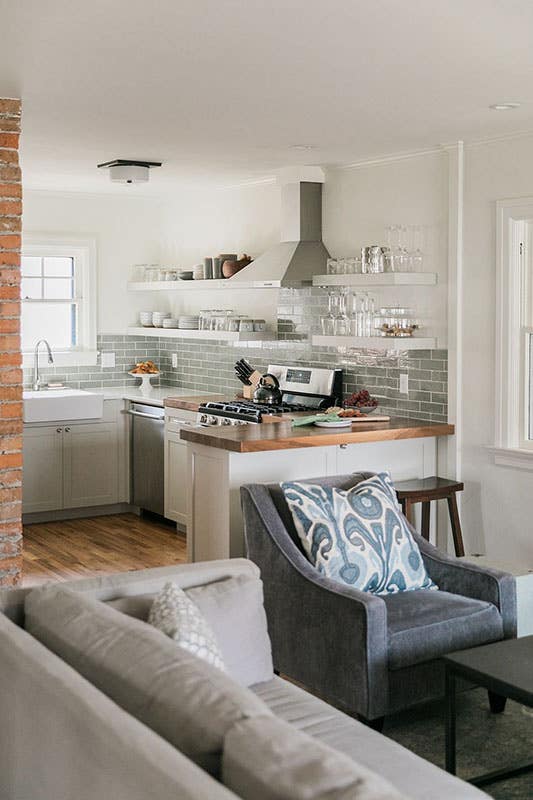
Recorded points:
(147, 457)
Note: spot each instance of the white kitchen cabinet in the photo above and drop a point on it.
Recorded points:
(77, 464)
(42, 488)
(90, 461)
(176, 465)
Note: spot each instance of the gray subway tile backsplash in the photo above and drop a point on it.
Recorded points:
(208, 366)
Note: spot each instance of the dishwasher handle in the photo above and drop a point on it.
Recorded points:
(146, 416)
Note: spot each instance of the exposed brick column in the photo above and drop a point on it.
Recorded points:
(10, 355)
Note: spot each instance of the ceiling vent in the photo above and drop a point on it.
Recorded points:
(125, 170)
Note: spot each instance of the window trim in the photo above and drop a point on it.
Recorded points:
(84, 251)
(513, 304)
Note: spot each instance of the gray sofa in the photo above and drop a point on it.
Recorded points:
(365, 654)
(62, 738)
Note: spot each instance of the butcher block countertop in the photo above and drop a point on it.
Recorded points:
(282, 436)
(191, 402)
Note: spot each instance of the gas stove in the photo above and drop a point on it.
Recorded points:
(303, 389)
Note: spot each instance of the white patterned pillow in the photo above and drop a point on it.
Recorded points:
(358, 536)
(174, 614)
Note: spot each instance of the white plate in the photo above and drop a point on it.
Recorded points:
(339, 423)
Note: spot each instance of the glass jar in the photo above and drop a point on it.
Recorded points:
(246, 325)
(259, 325)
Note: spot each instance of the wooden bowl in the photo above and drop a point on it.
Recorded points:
(230, 268)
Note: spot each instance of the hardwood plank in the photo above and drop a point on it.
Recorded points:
(69, 549)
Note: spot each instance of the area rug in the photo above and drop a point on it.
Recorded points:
(485, 741)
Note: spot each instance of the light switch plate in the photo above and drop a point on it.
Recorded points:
(404, 383)
(108, 360)
(174, 360)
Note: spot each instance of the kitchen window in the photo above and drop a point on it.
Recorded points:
(514, 335)
(58, 299)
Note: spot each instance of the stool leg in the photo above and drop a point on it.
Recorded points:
(426, 515)
(408, 511)
(456, 526)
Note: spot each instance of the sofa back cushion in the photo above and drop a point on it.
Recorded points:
(184, 699)
(268, 759)
(234, 610)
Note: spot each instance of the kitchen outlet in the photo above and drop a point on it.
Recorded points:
(404, 383)
(108, 359)
(174, 360)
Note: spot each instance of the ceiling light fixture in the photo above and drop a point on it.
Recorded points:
(504, 106)
(126, 170)
(303, 147)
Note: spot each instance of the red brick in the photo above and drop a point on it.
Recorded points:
(9, 325)
(10, 173)
(10, 426)
(8, 460)
(9, 377)
(10, 443)
(10, 548)
(11, 495)
(9, 140)
(11, 190)
(10, 206)
(9, 157)
(10, 242)
(10, 259)
(9, 293)
(9, 310)
(10, 105)
(10, 225)
(9, 344)
(10, 477)
(10, 359)
(9, 511)
(9, 276)
(9, 124)
(10, 393)
(10, 411)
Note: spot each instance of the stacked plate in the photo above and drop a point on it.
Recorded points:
(188, 323)
(158, 317)
(170, 322)
(146, 319)
(198, 272)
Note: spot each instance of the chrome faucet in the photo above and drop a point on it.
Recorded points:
(36, 376)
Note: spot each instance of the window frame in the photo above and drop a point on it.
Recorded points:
(514, 333)
(83, 250)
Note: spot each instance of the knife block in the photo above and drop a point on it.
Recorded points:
(248, 391)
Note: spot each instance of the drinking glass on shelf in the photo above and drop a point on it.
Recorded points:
(350, 266)
(342, 322)
(331, 266)
(341, 266)
(416, 255)
(353, 313)
(404, 255)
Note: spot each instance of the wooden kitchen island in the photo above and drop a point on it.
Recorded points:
(222, 459)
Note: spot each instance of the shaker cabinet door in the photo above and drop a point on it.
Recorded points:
(90, 465)
(42, 486)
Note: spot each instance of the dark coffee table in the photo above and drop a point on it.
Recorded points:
(505, 669)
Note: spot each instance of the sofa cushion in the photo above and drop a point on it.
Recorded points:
(359, 536)
(425, 625)
(175, 615)
(411, 775)
(268, 759)
(234, 609)
(184, 699)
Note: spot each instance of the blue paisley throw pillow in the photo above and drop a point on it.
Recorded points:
(358, 536)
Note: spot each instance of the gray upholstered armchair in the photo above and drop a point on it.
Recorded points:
(366, 654)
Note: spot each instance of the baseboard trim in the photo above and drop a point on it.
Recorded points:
(78, 513)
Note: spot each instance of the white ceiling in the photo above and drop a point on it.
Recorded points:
(219, 90)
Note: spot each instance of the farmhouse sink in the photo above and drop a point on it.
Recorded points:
(53, 405)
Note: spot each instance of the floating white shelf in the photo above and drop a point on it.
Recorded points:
(199, 286)
(225, 336)
(376, 342)
(378, 279)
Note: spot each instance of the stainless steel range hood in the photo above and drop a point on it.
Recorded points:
(301, 253)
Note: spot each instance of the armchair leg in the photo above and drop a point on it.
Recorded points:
(376, 724)
(497, 702)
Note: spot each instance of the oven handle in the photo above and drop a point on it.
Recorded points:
(146, 416)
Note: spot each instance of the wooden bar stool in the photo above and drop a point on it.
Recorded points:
(424, 491)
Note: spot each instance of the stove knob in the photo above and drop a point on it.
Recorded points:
(226, 421)
(204, 420)
(212, 420)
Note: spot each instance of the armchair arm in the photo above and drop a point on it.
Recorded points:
(454, 575)
(326, 635)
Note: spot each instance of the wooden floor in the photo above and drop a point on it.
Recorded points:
(59, 551)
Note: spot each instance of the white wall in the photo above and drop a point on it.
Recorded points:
(361, 201)
(496, 510)
(127, 231)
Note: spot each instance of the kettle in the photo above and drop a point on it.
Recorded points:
(268, 393)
